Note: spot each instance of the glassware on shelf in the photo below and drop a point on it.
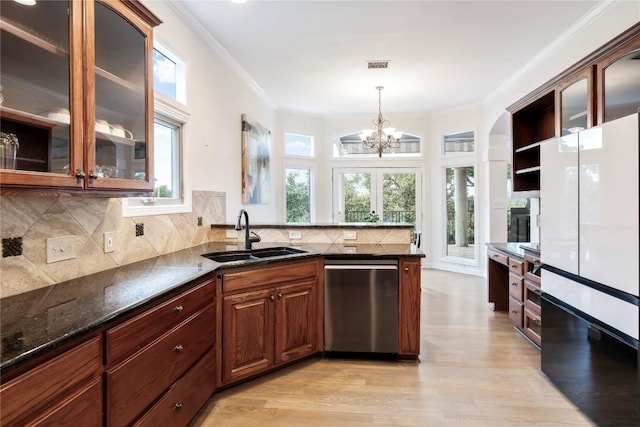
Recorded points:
(8, 150)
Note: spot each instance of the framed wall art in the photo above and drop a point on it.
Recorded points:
(256, 167)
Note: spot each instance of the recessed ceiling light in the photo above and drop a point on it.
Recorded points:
(26, 2)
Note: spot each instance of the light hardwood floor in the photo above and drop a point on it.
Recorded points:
(474, 370)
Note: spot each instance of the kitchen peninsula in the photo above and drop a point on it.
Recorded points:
(164, 323)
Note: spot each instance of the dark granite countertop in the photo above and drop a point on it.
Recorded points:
(35, 322)
(312, 226)
(516, 249)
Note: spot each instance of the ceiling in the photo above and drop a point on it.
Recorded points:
(311, 56)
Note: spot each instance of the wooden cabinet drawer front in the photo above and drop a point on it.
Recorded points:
(516, 266)
(32, 391)
(515, 312)
(269, 276)
(533, 326)
(135, 333)
(532, 269)
(185, 398)
(83, 408)
(135, 383)
(532, 297)
(497, 256)
(516, 285)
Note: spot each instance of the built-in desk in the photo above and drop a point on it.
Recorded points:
(513, 280)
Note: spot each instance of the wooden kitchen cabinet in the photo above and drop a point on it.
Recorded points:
(65, 66)
(270, 317)
(60, 391)
(409, 300)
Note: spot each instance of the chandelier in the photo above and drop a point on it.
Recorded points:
(381, 137)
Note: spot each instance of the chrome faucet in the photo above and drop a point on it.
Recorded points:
(248, 239)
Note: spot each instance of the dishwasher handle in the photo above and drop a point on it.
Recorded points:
(361, 267)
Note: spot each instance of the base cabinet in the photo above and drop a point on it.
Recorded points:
(271, 325)
(410, 293)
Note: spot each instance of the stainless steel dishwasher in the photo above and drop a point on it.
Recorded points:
(361, 308)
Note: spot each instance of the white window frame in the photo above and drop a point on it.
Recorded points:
(312, 190)
(178, 113)
(299, 156)
(450, 154)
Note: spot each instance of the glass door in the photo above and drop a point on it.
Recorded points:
(386, 195)
(117, 121)
(40, 82)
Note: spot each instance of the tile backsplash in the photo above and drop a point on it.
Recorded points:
(35, 219)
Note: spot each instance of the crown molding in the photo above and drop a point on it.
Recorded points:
(224, 55)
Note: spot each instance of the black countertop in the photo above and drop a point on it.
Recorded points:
(38, 321)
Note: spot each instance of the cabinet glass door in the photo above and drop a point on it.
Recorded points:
(574, 114)
(621, 86)
(37, 117)
(119, 158)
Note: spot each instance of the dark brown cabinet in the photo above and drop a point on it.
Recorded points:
(409, 300)
(275, 321)
(599, 88)
(77, 95)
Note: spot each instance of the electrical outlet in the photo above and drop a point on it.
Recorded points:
(231, 234)
(108, 243)
(349, 250)
(295, 234)
(349, 235)
(61, 248)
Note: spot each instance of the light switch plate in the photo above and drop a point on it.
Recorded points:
(61, 248)
(349, 235)
(108, 242)
(295, 234)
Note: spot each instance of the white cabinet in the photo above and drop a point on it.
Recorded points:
(609, 204)
(589, 198)
(559, 197)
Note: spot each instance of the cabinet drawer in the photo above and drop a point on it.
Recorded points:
(185, 398)
(497, 256)
(135, 383)
(515, 312)
(516, 266)
(83, 408)
(533, 326)
(268, 276)
(32, 391)
(133, 334)
(532, 297)
(516, 286)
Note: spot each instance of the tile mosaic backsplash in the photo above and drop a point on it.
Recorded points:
(34, 219)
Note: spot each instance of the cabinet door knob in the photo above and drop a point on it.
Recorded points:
(178, 348)
(92, 176)
(178, 309)
(272, 298)
(406, 269)
(514, 311)
(178, 405)
(279, 295)
(80, 175)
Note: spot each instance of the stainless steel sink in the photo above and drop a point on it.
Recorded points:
(255, 254)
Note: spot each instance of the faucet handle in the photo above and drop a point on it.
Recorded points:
(257, 238)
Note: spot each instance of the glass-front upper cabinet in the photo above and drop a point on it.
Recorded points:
(36, 75)
(123, 111)
(619, 83)
(76, 101)
(575, 95)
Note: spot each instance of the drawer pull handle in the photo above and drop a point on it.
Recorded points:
(178, 309)
(514, 311)
(496, 255)
(514, 284)
(178, 348)
(537, 321)
(178, 405)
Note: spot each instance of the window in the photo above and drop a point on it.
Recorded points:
(461, 142)
(169, 74)
(166, 161)
(171, 116)
(298, 195)
(460, 207)
(298, 145)
(350, 146)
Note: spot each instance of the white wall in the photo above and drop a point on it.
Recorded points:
(219, 94)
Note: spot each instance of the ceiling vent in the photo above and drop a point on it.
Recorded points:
(377, 64)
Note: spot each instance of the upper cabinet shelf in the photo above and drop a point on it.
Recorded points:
(601, 87)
